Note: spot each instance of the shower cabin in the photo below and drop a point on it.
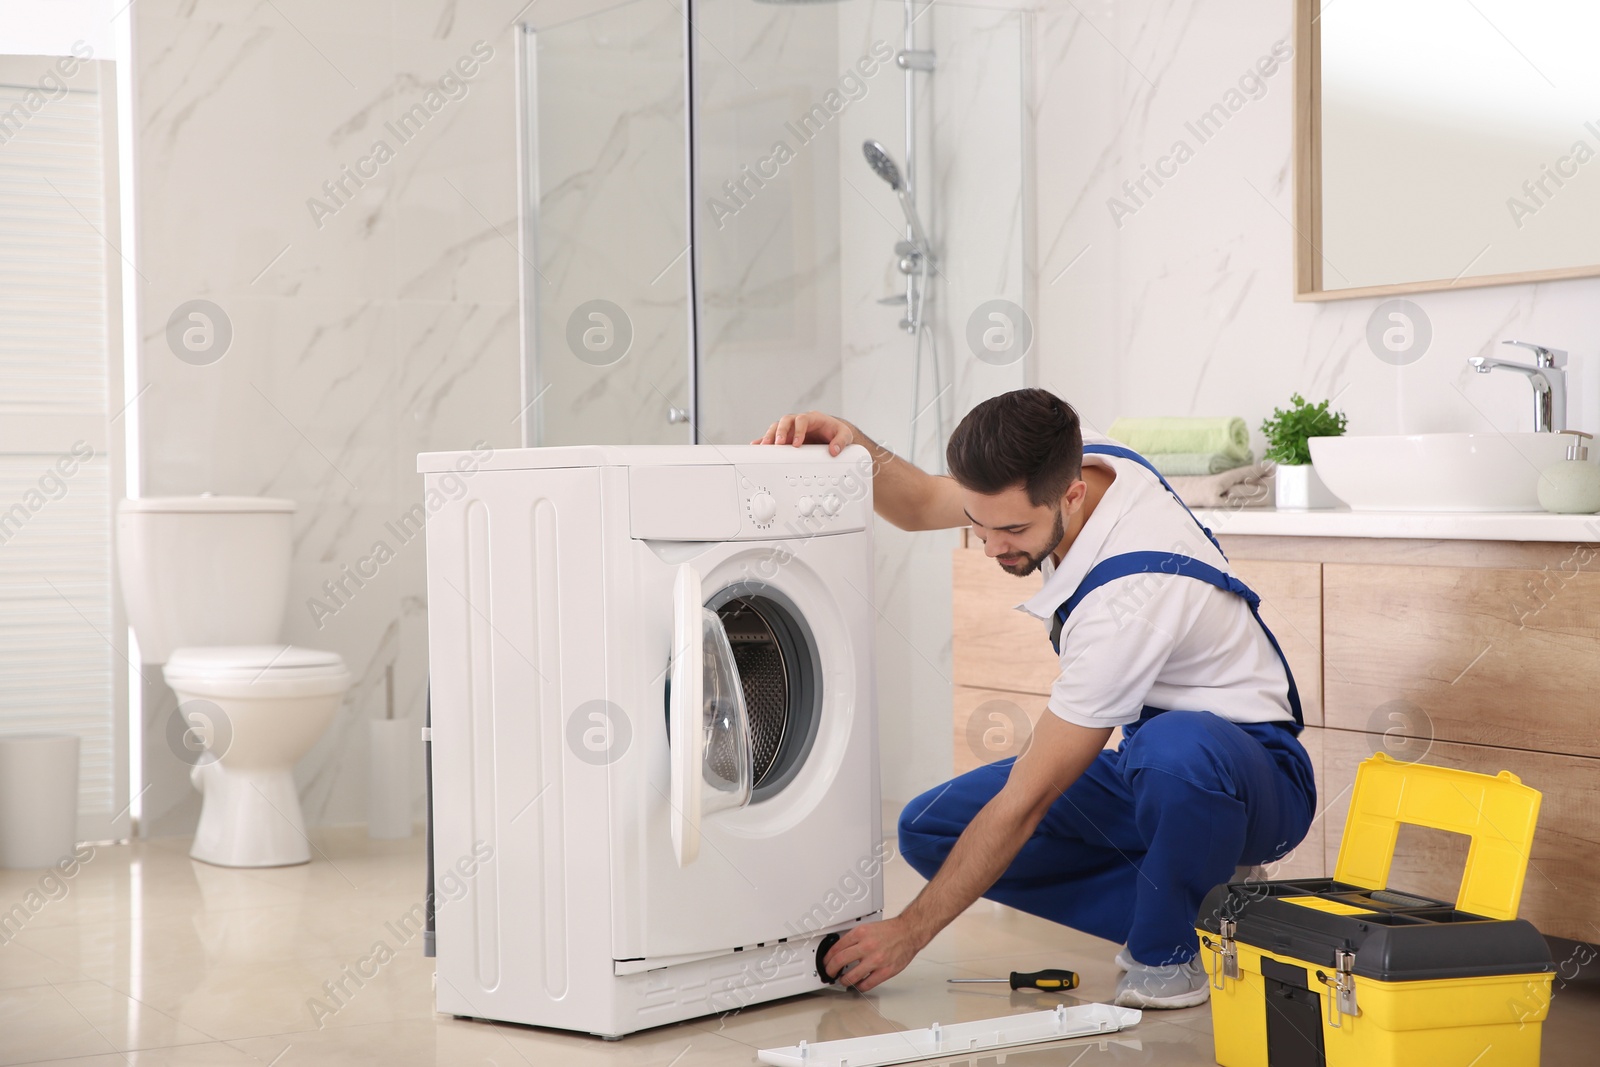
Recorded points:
(802, 202)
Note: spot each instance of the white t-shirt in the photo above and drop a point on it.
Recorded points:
(1164, 640)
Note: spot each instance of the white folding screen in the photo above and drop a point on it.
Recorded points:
(61, 670)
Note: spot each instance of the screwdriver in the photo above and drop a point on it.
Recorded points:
(1050, 979)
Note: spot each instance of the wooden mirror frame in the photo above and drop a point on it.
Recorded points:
(1308, 282)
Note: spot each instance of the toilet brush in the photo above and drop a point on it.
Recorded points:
(389, 770)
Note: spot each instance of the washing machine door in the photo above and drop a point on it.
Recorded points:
(709, 729)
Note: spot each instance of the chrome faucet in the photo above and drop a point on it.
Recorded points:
(1548, 378)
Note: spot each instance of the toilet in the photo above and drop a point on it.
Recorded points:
(205, 580)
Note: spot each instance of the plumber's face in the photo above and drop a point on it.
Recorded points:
(1016, 533)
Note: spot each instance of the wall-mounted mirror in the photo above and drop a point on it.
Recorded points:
(1444, 144)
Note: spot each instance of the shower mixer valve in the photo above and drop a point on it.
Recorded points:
(911, 257)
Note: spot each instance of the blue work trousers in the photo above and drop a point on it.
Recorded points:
(1131, 848)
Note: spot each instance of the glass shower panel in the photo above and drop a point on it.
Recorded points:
(981, 192)
(768, 97)
(604, 175)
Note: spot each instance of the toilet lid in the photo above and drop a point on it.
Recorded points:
(249, 662)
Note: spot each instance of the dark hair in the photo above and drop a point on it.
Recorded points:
(1027, 437)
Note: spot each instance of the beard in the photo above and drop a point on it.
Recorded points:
(1032, 561)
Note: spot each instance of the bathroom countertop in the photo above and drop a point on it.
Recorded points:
(1460, 526)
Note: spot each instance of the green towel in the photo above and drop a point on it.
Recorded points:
(1192, 464)
(1151, 437)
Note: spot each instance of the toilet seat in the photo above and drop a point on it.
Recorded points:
(263, 671)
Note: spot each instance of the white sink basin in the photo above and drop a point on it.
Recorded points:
(1438, 471)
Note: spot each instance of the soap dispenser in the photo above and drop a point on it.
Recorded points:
(1571, 486)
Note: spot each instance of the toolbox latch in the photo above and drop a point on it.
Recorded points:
(1343, 985)
(1228, 952)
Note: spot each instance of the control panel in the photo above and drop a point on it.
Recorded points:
(762, 501)
(800, 501)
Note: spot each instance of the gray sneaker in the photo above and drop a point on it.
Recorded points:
(1125, 962)
(1177, 985)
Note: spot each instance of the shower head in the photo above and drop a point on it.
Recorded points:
(882, 164)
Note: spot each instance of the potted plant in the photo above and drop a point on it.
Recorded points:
(1288, 435)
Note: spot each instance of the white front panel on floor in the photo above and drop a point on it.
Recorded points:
(561, 899)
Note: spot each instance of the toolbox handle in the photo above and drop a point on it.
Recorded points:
(1497, 812)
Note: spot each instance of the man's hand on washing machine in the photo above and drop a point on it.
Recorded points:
(813, 427)
(902, 493)
(872, 953)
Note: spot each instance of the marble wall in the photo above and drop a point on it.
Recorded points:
(372, 317)
(376, 315)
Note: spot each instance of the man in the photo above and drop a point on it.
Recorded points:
(1154, 636)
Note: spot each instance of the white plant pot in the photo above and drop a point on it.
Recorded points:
(1299, 489)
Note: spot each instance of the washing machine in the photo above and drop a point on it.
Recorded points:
(653, 735)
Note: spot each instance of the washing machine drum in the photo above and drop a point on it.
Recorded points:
(776, 659)
(761, 694)
(765, 685)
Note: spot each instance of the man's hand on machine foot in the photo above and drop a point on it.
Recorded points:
(875, 952)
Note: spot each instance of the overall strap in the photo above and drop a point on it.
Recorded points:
(1130, 454)
(1130, 563)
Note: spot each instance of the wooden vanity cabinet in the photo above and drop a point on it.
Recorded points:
(1475, 654)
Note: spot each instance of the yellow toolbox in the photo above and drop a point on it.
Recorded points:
(1350, 973)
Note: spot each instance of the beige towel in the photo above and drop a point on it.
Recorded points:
(1242, 487)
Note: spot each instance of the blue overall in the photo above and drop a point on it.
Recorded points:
(1131, 848)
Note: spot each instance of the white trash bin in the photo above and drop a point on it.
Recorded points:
(38, 799)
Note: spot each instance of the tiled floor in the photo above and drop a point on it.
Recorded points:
(146, 957)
